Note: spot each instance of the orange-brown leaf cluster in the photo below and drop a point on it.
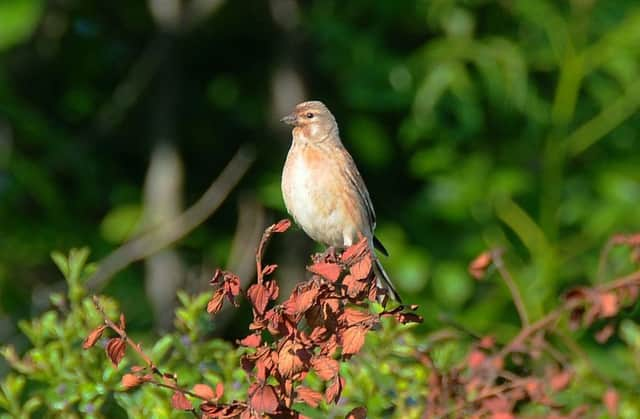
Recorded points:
(324, 321)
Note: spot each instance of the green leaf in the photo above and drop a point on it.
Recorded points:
(523, 225)
(161, 347)
(630, 333)
(121, 223)
(61, 261)
(77, 260)
(18, 20)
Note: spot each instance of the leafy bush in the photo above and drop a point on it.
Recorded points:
(289, 363)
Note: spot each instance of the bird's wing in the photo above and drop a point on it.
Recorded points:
(353, 176)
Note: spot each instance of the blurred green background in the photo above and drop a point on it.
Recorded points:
(474, 123)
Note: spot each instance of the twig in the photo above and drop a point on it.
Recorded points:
(150, 364)
(631, 279)
(526, 332)
(174, 230)
(266, 236)
(136, 347)
(496, 255)
(490, 393)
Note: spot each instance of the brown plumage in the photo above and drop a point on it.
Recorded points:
(322, 188)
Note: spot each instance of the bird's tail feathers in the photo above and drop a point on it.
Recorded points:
(384, 281)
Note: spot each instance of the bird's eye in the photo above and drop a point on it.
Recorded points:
(309, 115)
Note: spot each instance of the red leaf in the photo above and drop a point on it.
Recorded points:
(478, 266)
(115, 350)
(204, 391)
(215, 304)
(263, 398)
(325, 367)
(281, 226)
(502, 415)
(273, 289)
(332, 393)
(269, 269)
(354, 252)
(476, 358)
(353, 316)
(357, 413)
(259, 296)
(220, 411)
(609, 304)
(560, 380)
(93, 337)
(611, 399)
(496, 404)
(219, 390)
(605, 333)
(179, 401)
(329, 271)
(534, 388)
(362, 268)
(252, 341)
(131, 380)
(308, 396)
(231, 285)
(487, 342)
(353, 339)
(292, 359)
(354, 285)
(302, 302)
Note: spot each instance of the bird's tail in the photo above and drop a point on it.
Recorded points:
(384, 281)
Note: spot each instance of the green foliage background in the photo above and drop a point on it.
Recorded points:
(475, 123)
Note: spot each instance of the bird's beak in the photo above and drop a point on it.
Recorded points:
(290, 119)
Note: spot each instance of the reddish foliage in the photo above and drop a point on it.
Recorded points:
(609, 304)
(357, 413)
(611, 400)
(353, 339)
(281, 226)
(263, 399)
(293, 359)
(228, 285)
(605, 333)
(325, 321)
(115, 350)
(269, 269)
(93, 337)
(355, 252)
(179, 401)
(131, 381)
(252, 341)
(309, 396)
(478, 266)
(329, 271)
(258, 294)
(220, 411)
(360, 270)
(318, 318)
(215, 304)
(333, 391)
(325, 367)
(204, 391)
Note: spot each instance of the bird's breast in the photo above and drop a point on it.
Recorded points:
(311, 191)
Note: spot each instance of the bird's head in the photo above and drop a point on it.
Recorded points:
(313, 121)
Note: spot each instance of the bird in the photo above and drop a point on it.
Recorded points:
(323, 190)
